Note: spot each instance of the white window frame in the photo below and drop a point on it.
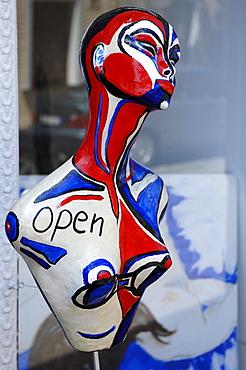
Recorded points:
(8, 180)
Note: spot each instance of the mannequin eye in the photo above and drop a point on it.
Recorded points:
(147, 43)
(174, 54)
(142, 43)
(148, 48)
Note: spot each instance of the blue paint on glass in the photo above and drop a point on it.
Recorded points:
(182, 245)
(136, 358)
(21, 191)
(23, 359)
(52, 253)
(97, 336)
(33, 256)
(72, 182)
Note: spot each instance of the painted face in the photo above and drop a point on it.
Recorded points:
(139, 63)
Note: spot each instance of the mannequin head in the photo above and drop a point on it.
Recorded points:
(132, 52)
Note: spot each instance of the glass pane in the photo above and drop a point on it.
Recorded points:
(191, 136)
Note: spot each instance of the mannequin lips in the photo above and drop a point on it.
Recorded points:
(166, 85)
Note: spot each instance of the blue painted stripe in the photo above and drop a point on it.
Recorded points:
(72, 182)
(119, 105)
(124, 325)
(96, 147)
(140, 257)
(35, 258)
(138, 173)
(99, 262)
(13, 224)
(97, 336)
(121, 283)
(147, 215)
(53, 254)
(174, 36)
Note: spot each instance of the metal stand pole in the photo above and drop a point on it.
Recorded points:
(96, 360)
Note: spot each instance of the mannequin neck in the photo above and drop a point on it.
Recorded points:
(113, 127)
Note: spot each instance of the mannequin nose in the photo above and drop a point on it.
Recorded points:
(166, 85)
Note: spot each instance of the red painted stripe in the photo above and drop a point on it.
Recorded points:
(79, 197)
(128, 178)
(131, 173)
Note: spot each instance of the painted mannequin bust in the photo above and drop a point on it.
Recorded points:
(89, 231)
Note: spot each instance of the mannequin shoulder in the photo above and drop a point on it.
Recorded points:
(144, 183)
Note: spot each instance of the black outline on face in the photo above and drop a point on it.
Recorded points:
(147, 99)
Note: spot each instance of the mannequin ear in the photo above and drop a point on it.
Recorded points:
(98, 59)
